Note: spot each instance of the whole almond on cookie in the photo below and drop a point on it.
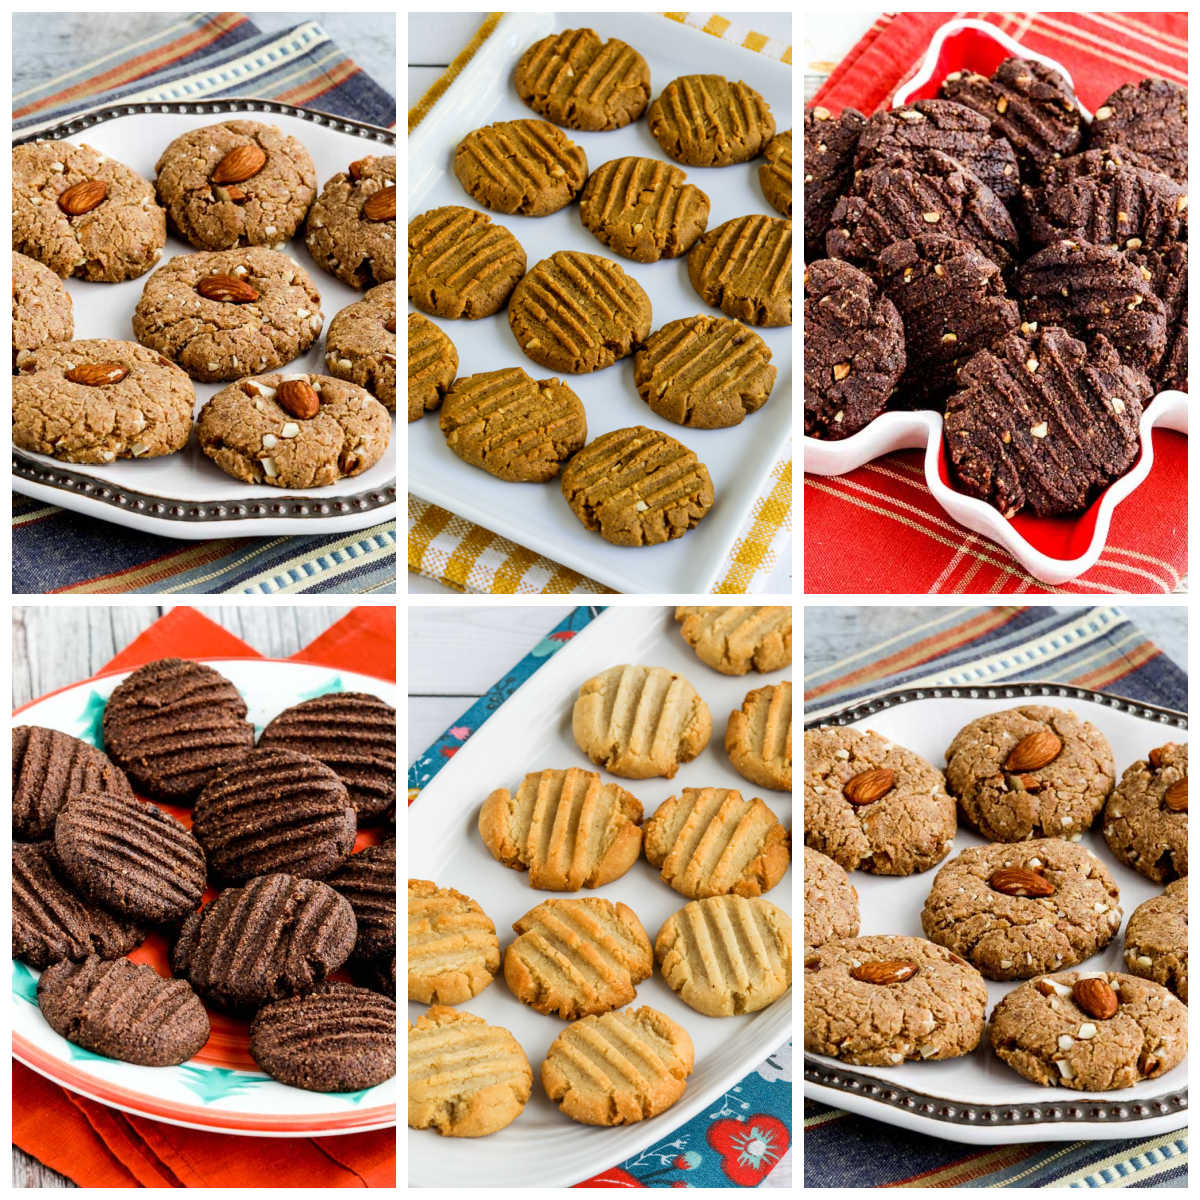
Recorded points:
(83, 197)
(1156, 755)
(358, 165)
(381, 206)
(240, 164)
(892, 971)
(1034, 751)
(1020, 881)
(1175, 797)
(97, 374)
(390, 324)
(1095, 997)
(298, 399)
(227, 288)
(869, 786)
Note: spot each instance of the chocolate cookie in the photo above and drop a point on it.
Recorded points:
(129, 856)
(1149, 117)
(952, 300)
(706, 121)
(830, 901)
(41, 308)
(351, 229)
(1156, 939)
(829, 146)
(775, 175)
(1168, 270)
(525, 167)
(637, 487)
(229, 313)
(432, 366)
(123, 1010)
(361, 344)
(1029, 104)
(293, 431)
(706, 372)
(172, 725)
(378, 974)
(744, 268)
(576, 79)
(354, 734)
(97, 400)
(84, 214)
(238, 183)
(916, 192)
(853, 349)
(1146, 820)
(578, 312)
(643, 209)
(368, 880)
(511, 426)
(1042, 421)
(49, 770)
(274, 937)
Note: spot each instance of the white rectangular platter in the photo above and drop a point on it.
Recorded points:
(529, 732)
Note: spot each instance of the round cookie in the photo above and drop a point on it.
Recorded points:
(1169, 274)
(578, 312)
(883, 1000)
(758, 738)
(1146, 822)
(81, 213)
(41, 308)
(854, 351)
(432, 366)
(643, 209)
(829, 146)
(361, 344)
(872, 805)
(95, 401)
(255, 431)
(1015, 911)
(351, 229)
(225, 314)
(705, 372)
(576, 79)
(368, 880)
(1156, 939)
(734, 639)
(237, 183)
(744, 268)
(706, 121)
(1029, 772)
(830, 901)
(453, 951)
(775, 174)
(637, 487)
(512, 426)
(1112, 1032)
(1150, 118)
(520, 167)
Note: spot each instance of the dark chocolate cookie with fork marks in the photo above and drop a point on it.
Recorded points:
(1149, 117)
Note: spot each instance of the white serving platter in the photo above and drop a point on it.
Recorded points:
(739, 459)
(529, 732)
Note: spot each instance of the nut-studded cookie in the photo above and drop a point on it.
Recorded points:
(512, 426)
(1042, 421)
(1146, 819)
(1150, 118)
(775, 174)
(758, 738)
(453, 951)
(830, 901)
(432, 366)
(360, 345)
(734, 639)
(529, 168)
(829, 146)
(1156, 939)
(41, 308)
(744, 268)
(1169, 275)
(237, 183)
(708, 121)
(351, 228)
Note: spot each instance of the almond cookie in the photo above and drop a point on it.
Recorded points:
(522, 167)
(758, 738)
(1032, 771)
(726, 955)
(639, 722)
(706, 121)
(576, 79)
(238, 183)
(1150, 118)
(1093, 1031)
(576, 958)
(351, 229)
(41, 308)
(711, 842)
(361, 344)
(829, 145)
(618, 1068)
(704, 372)
(872, 805)
(97, 400)
(1156, 939)
(1146, 821)
(643, 209)
(880, 1001)
(578, 312)
(229, 313)
(830, 901)
(775, 174)
(81, 213)
(432, 366)
(453, 951)
(637, 487)
(569, 829)
(293, 431)
(511, 426)
(744, 268)
(1016, 911)
(466, 1078)
(734, 639)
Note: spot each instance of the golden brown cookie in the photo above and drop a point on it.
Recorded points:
(360, 345)
(453, 951)
(758, 737)
(432, 365)
(706, 121)
(775, 175)
(351, 228)
(1146, 819)
(41, 308)
(733, 639)
(830, 901)
(1156, 939)
(744, 268)
(522, 167)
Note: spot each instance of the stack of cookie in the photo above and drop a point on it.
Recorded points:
(238, 311)
(992, 255)
(96, 868)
